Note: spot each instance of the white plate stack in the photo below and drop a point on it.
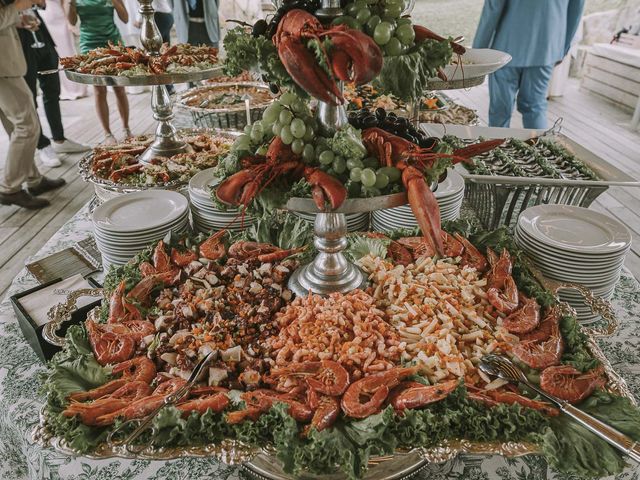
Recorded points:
(575, 245)
(356, 222)
(125, 225)
(206, 215)
(450, 193)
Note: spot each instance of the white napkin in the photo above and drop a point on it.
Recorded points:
(38, 303)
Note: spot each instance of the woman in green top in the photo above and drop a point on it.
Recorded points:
(97, 28)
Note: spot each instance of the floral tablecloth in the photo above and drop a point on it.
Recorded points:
(21, 458)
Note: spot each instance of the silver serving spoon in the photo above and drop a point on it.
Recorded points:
(171, 399)
(502, 367)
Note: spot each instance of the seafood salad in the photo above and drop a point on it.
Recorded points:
(230, 96)
(404, 351)
(119, 163)
(128, 61)
(544, 158)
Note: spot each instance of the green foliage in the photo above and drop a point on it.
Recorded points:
(256, 54)
(406, 76)
(360, 246)
(573, 450)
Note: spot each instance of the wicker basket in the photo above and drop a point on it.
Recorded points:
(234, 118)
(501, 204)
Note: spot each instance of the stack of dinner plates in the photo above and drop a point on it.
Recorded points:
(450, 193)
(575, 245)
(356, 222)
(126, 224)
(208, 216)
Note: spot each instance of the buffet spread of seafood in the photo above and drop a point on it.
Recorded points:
(119, 163)
(203, 332)
(433, 109)
(410, 342)
(129, 61)
(226, 96)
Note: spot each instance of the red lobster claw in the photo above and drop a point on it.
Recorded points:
(355, 57)
(235, 189)
(325, 188)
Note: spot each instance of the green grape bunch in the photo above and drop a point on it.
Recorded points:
(382, 20)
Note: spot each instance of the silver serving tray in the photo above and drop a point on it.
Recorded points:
(350, 205)
(261, 463)
(142, 80)
(608, 173)
(239, 108)
(105, 188)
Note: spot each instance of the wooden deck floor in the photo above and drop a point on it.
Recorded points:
(596, 124)
(23, 232)
(600, 127)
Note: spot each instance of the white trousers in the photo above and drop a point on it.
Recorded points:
(20, 120)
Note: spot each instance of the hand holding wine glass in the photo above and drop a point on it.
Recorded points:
(30, 21)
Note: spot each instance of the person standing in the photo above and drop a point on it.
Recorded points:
(197, 21)
(19, 118)
(97, 29)
(39, 57)
(56, 19)
(537, 37)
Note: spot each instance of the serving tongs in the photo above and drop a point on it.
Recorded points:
(504, 368)
(171, 399)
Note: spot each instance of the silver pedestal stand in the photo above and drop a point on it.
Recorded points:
(167, 143)
(330, 271)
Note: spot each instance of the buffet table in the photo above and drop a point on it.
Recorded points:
(20, 402)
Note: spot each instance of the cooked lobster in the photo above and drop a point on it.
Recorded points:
(260, 171)
(392, 150)
(353, 56)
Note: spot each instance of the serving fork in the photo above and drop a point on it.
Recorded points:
(502, 367)
(171, 399)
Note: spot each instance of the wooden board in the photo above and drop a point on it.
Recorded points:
(616, 68)
(612, 93)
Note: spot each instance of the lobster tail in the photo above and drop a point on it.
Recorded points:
(424, 206)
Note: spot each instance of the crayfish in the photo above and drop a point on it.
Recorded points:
(354, 56)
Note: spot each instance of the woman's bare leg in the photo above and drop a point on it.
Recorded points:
(123, 106)
(102, 107)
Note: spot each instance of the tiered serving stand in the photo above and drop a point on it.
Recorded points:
(330, 271)
(167, 141)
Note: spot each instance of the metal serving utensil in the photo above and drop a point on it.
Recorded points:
(502, 367)
(598, 305)
(171, 399)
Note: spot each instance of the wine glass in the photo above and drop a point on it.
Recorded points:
(31, 23)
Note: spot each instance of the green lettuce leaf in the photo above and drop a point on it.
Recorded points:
(348, 142)
(74, 369)
(360, 246)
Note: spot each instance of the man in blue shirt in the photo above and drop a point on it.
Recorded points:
(537, 34)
